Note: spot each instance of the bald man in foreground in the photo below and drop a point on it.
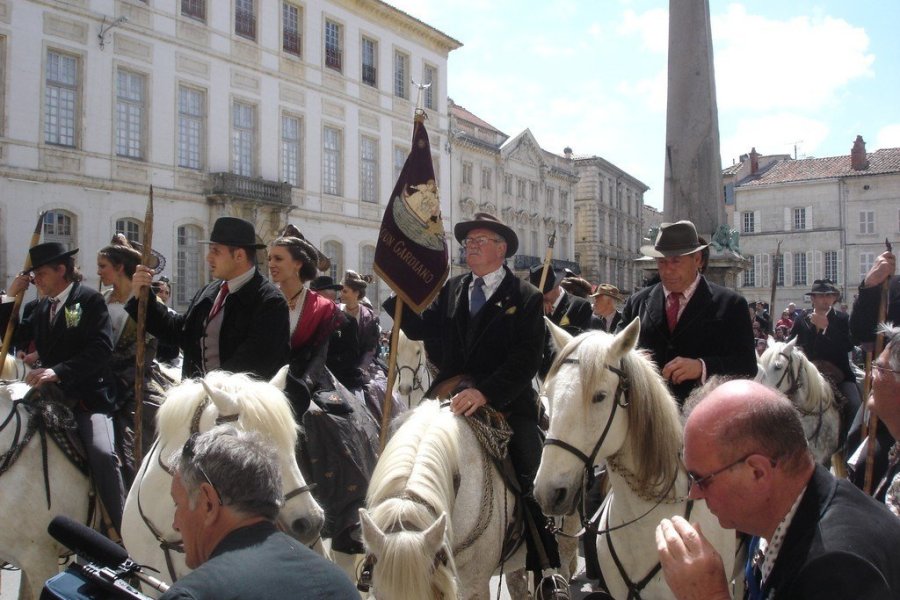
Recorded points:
(821, 538)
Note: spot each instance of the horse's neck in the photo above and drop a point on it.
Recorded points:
(631, 502)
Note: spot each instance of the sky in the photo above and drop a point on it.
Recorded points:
(792, 77)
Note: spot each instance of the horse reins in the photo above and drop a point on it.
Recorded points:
(794, 386)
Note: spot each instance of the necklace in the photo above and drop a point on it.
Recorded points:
(292, 303)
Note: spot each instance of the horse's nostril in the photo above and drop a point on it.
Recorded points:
(559, 496)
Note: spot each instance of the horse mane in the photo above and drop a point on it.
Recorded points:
(655, 433)
(414, 476)
(263, 407)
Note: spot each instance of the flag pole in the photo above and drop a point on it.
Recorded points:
(872, 425)
(17, 305)
(548, 258)
(141, 342)
(392, 373)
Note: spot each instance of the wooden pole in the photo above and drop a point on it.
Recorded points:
(388, 403)
(548, 259)
(772, 311)
(873, 418)
(17, 305)
(141, 341)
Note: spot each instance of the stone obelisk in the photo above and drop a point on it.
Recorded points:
(693, 181)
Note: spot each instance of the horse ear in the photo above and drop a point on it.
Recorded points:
(560, 336)
(280, 378)
(225, 403)
(627, 340)
(770, 341)
(373, 537)
(434, 535)
(789, 347)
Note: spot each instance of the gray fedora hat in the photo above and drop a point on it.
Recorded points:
(488, 221)
(674, 239)
(232, 231)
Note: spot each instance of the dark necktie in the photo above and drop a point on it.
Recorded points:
(753, 570)
(477, 300)
(54, 306)
(220, 301)
(673, 304)
(603, 323)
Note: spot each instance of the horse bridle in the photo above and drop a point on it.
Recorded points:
(792, 379)
(178, 545)
(417, 381)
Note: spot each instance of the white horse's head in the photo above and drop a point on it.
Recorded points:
(198, 405)
(780, 366)
(411, 369)
(606, 399)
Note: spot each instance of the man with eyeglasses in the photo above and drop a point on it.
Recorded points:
(485, 331)
(817, 537)
(227, 492)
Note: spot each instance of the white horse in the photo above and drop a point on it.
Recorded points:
(437, 513)
(28, 499)
(608, 402)
(413, 376)
(198, 405)
(783, 366)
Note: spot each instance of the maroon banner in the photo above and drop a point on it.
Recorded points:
(411, 255)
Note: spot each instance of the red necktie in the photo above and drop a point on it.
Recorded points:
(219, 303)
(673, 305)
(54, 305)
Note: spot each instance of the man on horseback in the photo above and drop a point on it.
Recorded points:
(819, 537)
(693, 328)
(71, 332)
(489, 330)
(239, 323)
(227, 491)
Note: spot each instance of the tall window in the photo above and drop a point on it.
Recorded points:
(750, 272)
(333, 53)
(61, 92)
(748, 222)
(486, 176)
(520, 188)
(130, 111)
(533, 189)
(866, 260)
(563, 200)
(467, 173)
(335, 253)
(366, 261)
(779, 274)
(59, 227)
(331, 162)
(243, 138)
(831, 265)
(130, 228)
(291, 154)
(429, 75)
(191, 127)
(187, 263)
(370, 62)
(245, 19)
(401, 75)
(399, 161)
(867, 221)
(368, 169)
(535, 248)
(800, 268)
(799, 219)
(194, 8)
(291, 29)
(508, 184)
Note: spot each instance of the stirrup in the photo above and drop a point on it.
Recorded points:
(553, 587)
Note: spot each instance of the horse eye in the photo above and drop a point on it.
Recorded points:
(599, 397)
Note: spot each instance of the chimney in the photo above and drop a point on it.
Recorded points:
(754, 161)
(858, 160)
(568, 153)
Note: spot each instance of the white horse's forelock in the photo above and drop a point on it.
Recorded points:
(263, 407)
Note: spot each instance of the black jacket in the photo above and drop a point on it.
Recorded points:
(714, 326)
(78, 347)
(255, 334)
(864, 316)
(573, 314)
(610, 327)
(832, 344)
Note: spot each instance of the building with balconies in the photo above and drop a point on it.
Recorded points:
(276, 111)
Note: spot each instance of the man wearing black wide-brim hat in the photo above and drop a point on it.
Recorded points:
(692, 327)
(71, 331)
(485, 332)
(238, 323)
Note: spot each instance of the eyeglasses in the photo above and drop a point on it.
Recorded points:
(478, 242)
(188, 452)
(885, 369)
(703, 482)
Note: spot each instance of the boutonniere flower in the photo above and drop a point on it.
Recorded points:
(511, 310)
(73, 315)
(565, 321)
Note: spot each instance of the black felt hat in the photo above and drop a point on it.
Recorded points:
(823, 286)
(232, 231)
(47, 253)
(488, 221)
(534, 276)
(324, 282)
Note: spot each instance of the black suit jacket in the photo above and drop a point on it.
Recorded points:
(77, 348)
(714, 326)
(501, 352)
(255, 334)
(841, 544)
(573, 314)
(832, 345)
(864, 316)
(610, 327)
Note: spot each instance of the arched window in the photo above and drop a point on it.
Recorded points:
(187, 264)
(335, 252)
(366, 262)
(59, 226)
(131, 229)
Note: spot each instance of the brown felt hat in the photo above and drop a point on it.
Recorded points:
(607, 289)
(488, 221)
(674, 239)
